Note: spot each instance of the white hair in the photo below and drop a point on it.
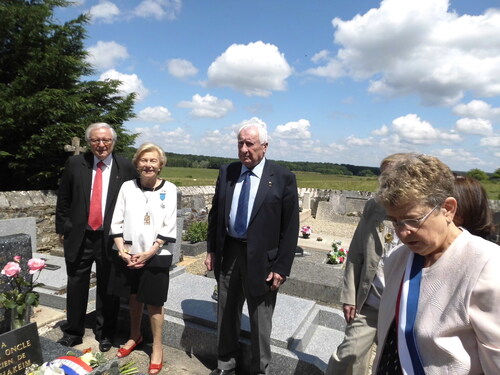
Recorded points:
(261, 129)
(99, 125)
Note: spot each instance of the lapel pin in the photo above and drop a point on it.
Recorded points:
(270, 184)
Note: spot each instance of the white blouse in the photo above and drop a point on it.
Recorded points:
(143, 215)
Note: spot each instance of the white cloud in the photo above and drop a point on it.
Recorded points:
(474, 126)
(255, 69)
(130, 83)
(105, 11)
(155, 114)
(412, 129)
(421, 47)
(490, 141)
(384, 130)
(105, 55)
(320, 56)
(294, 130)
(355, 141)
(208, 106)
(181, 68)
(477, 109)
(462, 156)
(158, 9)
(169, 140)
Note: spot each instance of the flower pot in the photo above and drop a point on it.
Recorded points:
(19, 320)
(305, 235)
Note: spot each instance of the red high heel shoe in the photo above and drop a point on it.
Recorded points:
(123, 352)
(155, 368)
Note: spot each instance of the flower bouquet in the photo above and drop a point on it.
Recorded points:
(21, 295)
(306, 231)
(337, 255)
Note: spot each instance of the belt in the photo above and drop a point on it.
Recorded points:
(242, 241)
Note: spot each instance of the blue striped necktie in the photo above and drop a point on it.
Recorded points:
(240, 222)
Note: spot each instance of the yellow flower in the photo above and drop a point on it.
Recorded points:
(87, 358)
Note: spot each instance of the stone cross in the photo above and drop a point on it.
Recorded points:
(74, 147)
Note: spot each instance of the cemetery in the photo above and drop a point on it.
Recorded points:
(307, 325)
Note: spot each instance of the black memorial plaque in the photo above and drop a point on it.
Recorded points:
(19, 349)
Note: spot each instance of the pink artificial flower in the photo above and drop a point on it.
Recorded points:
(17, 258)
(341, 259)
(11, 269)
(36, 265)
(342, 251)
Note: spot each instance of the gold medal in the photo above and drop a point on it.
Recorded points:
(147, 219)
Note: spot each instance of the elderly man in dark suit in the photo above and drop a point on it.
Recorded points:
(252, 236)
(86, 199)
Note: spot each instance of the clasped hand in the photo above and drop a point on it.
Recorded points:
(136, 261)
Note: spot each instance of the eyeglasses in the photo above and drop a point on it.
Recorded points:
(96, 141)
(412, 223)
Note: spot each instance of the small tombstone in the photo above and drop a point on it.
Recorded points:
(306, 201)
(75, 147)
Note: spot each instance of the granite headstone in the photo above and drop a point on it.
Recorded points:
(10, 246)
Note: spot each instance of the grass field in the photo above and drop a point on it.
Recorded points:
(205, 177)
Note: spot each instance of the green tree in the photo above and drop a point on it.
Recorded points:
(477, 174)
(496, 175)
(366, 173)
(44, 98)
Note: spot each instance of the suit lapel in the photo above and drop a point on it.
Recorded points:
(265, 186)
(232, 178)
(87, 166)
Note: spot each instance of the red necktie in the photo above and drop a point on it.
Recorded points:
(95, 213)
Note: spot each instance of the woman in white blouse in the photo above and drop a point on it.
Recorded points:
(144, 230)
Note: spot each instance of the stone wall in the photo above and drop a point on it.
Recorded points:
(38, 204)
(198, 199)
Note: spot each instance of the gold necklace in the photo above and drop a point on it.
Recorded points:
(147, 217)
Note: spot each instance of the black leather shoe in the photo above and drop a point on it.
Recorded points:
(68, 340)
(222, 372)
(105, 345)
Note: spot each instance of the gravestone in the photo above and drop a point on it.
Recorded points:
(25, 225)
(20, 349)
(10, 246)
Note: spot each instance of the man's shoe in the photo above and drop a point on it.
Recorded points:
(68, 340)
(222, 372)
(105, 345)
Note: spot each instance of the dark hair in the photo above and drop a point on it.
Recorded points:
(473, 208)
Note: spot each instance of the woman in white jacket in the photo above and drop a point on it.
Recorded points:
(440, 310)
(144, 230)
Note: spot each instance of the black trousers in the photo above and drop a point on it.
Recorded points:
(233, 291)
(107, 306)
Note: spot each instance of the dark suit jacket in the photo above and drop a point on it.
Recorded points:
(273, 227)
(73, 199)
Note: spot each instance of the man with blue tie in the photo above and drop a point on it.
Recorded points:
(252, 236)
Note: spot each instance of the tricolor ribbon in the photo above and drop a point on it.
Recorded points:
(409, 356)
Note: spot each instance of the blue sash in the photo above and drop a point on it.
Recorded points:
(408, 307)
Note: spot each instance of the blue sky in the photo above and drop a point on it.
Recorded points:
(334, 81)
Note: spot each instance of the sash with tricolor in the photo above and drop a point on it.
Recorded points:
(406, 313)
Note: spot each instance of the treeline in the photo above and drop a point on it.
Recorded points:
(214, 162)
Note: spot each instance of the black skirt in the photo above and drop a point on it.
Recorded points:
(149, 283)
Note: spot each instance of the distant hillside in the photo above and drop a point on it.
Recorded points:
(213, 162)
